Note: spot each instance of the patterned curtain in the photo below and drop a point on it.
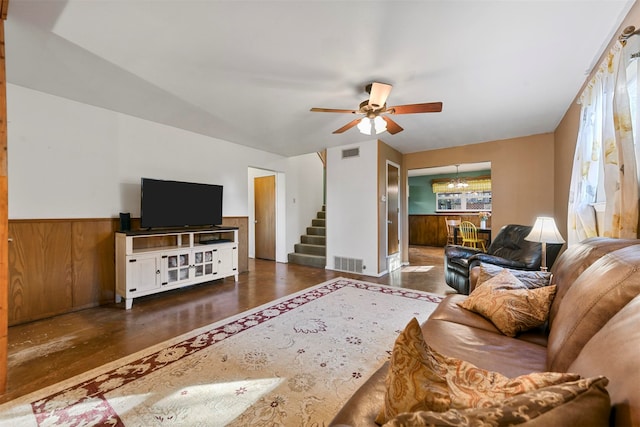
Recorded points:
(620, 176)
(605, 139)
(442, 186)
(581, 221)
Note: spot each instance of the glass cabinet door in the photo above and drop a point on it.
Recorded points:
(203, 262)
(177, 268)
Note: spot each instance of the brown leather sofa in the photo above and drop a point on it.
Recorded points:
(593, 329)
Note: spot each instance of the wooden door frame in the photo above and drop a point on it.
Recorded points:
(4, 205)
(399, 224)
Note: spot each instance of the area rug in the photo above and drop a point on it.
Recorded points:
(292, 362)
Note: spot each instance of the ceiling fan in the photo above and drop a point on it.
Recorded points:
(375, 109)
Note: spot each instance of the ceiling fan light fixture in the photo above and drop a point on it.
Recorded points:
(373, 123)
(373, 126)
(380, 124)
(365, 126)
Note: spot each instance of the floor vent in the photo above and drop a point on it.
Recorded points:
(351, 265)
(351, 152)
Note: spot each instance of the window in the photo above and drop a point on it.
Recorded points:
(475, 197)
(464, 202)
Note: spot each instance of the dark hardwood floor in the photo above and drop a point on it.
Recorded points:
(47, 351)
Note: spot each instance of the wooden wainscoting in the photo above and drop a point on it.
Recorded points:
(427, 230)
(430, 230)
(63, 265)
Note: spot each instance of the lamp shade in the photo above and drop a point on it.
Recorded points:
(365, 126)
(380, 124)
(374, 126)
(545, 231)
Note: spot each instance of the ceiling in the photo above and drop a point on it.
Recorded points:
(249, 71)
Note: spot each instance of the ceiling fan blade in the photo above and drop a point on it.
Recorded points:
(348, 126)
(331, 110)
(379, 94)
(428, 107)
(392, 127)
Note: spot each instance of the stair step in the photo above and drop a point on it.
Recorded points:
(316, 231)
(313, 239)
(305, 248)
(318, 222)
(308, 260)
(321, 215)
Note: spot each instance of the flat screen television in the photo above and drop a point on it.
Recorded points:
(171, 204)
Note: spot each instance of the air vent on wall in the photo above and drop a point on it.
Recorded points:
(351, 265)
(351, 152)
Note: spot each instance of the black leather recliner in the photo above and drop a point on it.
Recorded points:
(508, 249)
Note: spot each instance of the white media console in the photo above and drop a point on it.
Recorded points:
(148, 262)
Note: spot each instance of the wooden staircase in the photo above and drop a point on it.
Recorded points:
(312, 250)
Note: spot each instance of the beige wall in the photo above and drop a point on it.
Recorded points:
(565, 146)
(521, 170)
(566, 135)
(531, 175)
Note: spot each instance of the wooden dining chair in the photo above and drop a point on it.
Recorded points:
(469, 234)
(452, 224)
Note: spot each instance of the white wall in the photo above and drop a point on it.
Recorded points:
(299, 189)
(304, 195)
(72, 160)
(352, 206)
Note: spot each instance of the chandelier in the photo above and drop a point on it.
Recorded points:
(457, 182)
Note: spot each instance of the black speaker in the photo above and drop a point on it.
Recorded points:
(125, 221)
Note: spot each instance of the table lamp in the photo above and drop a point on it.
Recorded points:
(544, 231)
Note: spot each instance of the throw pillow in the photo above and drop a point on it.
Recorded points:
(421, 379)
(531, 279)
(584, 402)
(416, 380)
(509, 304)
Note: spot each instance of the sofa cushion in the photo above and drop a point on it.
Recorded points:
(364, 406)
(449, 309)
(576, 259)
(583, 402)
(530, 278)
(509, 304)
(421, 379)
(613, 352)
(595, 297)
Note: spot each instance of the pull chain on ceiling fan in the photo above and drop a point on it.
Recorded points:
(374, 122)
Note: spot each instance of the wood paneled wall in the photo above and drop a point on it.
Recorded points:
(431, 230)
(427, 230)
(59, 266)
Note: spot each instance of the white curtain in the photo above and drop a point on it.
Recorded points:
(581, 222)
(605, 137)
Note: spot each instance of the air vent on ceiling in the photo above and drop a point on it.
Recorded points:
(351, 152)
(352, 265)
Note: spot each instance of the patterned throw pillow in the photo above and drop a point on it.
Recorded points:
(509, 304)
(584, 403)
(421, 379)
(531, 279)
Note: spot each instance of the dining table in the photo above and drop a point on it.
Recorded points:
(485, 231)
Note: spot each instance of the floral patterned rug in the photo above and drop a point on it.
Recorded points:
(292, 362)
